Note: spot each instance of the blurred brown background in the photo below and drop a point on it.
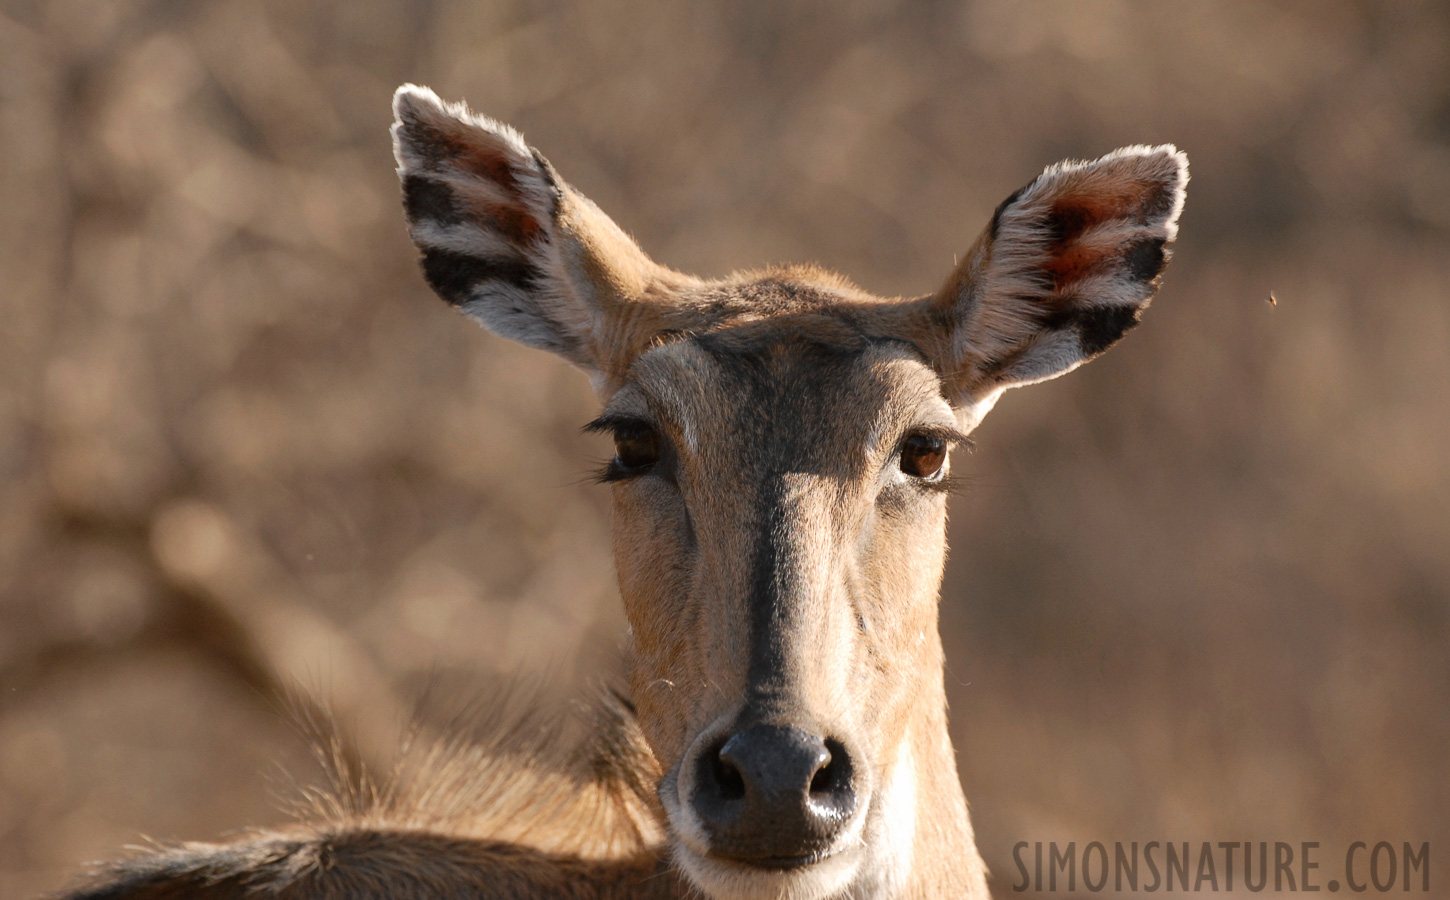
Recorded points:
(1198, 591)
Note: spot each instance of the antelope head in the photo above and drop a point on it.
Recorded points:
(783, 447)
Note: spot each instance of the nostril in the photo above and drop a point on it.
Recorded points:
(831, 783)
(728, 781)
(824, 779)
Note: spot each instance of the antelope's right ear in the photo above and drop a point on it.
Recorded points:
(505, 240)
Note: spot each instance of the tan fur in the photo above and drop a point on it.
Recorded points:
(519, 814)
(778, 564)
(520, 784)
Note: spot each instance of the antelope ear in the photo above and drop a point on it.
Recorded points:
(506, 241)
(1065, 268)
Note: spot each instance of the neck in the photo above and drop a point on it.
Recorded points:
(944, 859)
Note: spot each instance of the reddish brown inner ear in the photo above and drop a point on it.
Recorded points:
(489, 164)
(462, 147)
(1094, 202)
(1070, 266)
(515, 222)
(1070, 217)
(466, 152)
(1074, 214)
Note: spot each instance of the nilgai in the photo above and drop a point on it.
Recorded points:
(780, 478)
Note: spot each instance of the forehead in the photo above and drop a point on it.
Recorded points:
(803, 377)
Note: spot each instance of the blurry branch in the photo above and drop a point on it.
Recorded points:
(221, 596)
(198, 548)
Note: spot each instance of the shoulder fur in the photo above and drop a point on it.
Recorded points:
(520, 783)
(520, 813)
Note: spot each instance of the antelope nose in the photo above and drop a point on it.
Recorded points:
(774, 795)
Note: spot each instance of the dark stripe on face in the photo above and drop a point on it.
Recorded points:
(770, 592)
(783, 392)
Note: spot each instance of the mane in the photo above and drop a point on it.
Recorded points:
(501, 772)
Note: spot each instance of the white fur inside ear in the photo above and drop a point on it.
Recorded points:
(413, 103)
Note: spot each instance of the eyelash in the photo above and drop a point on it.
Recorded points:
(942, 433)
(611, 471)
(949, 484)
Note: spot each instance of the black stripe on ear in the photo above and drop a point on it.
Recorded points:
(1002, 207)
(455, 276)
(427, 200)
(1098, 328)
(1145, 259)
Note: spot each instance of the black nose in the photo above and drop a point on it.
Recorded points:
(774, 795)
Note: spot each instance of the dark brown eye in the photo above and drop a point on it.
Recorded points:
(636, 446)
(922, 456)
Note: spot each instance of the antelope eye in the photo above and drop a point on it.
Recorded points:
(922, 456)
(636, 446)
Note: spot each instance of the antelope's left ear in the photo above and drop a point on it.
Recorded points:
(1065, 268)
